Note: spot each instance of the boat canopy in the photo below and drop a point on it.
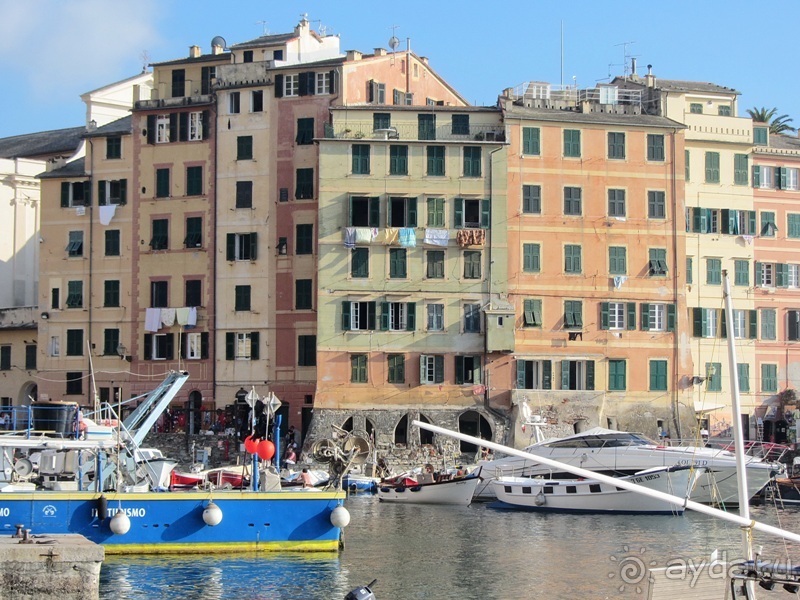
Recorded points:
(598, 437)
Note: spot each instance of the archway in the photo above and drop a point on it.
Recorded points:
(401, 431)
(425, 436)
(28, 392)
(475, 424)
(348, 424)
(195, 406)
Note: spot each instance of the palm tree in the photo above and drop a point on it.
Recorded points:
(767, 115)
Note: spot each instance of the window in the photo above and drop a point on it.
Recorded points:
(435, 212)
(616, 375)
(359, 262)
(705, 322)
(291, 85)
(398, 316)
(472, 318)
(658, 261)
(178, 83)
(572, 201)
(244, 194)
(768, 227)
(616, 203)
(111, 192)
(196, 128)
(163, 129)
(687, 168)
(306, 350)
(658, 317)
(740, 169)
(396, 364)
(74, 342)
(194, 181)
(790, 182)
(714, 377)
(364, 212)
(531, 141)
(793, 276)
(696, 108)
(305, 132)
(193, 292)
(531, 258)
(793, 325)
(398, 159)
(472, 264)
(381, 121)
(723, 110)
(55, 346)
(159, 294)
(656, 205)
(257, 101)
(435, 155)
(75, 194)
(206, 75)
(472, 161)
(764, 177)
(397, 263)
(713, 271)
(616, 145)
(304, 239)
(304, 184)
(577, 374)
(233, 103)
(431, 368)
(534, 374)
(468, 370)
(162, 183)
(74, 383)
(242, 298)
(613, 315)
(358, 316)
(767, 275)
(793, 225)
(655, 147)
(572, 143)
(658, 376)
(376, 92)
(760, 136)
(532, 312)
(426, 127)
(435, 317)
(617, 260)
(112, 242)
(739, 324)
(194, 232)
(75, 245)
(74, 294)
(712, 167)
(111, 293)
(160, 237)
(30, 357)
(303, 294)
(435, 263)
(768, 329)
(573, 314)
(471, 212)
(460, 125)
(113, 147)
(242, 345)
(402, 212)
(689, 270)
(324, 82)
(532, 199)
(244, 147)
(360, 159)
(5, 358)
(572, 258)
(110, 342)
(769, 378)
(196, 346)
(241, 246)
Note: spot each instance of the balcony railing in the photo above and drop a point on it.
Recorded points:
(364, 131)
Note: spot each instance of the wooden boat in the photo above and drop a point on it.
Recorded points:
(592, 496)
(457, 491)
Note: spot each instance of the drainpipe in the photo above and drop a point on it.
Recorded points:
(676, 417)
(91, 257)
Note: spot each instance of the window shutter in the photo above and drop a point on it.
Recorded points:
(631, 325)
(459, 370)
(65, 194)
(346, 315)
(780, 179)
(698, 321)
(151, 129)
(438, 368)
(604, 315)
(182, 340)
(230, 345)
(123, 193)
(230, 245)
(253, 246)
(671, 317)
(173, 127)
(726, 225)
(148, 346)
(279, 86)
(547, 374)
(101, 193)
(371, 315)
(423, 371)
(520, 374)
(756, 176)
(645, 316)
(302, 88)
(458, 214)
(486, 214)
(753, 324)
(793, 325)
(254, 345)
(589, 374)
(332, 79)
(781, 275)
(183, 126)
(204, 345)
(411, 207)
(169, 346)
(565, 374)
(374, 211)
(758, 280)
(411, 316)
(384, 316)
(206, 125)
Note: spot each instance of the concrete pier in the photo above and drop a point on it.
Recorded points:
(50, 566)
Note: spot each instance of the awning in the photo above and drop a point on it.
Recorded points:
(703, 407)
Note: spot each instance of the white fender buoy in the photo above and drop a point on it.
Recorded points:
(212, 515)
(540, 499)
(340, 517)
(120, 523)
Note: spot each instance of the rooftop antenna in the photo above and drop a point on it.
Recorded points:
(145, 56)
(394, 41)
(625, 57)
(263, 27)
(562, 55)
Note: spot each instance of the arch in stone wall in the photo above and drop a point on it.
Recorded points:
(473, 423)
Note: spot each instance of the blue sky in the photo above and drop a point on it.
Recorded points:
(51, 51)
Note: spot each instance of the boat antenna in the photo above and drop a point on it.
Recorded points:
(95, 395)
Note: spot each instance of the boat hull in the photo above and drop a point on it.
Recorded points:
(453, 492)
(169, 522)
(589, 496)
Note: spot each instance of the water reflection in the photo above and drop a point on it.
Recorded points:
(448, 553)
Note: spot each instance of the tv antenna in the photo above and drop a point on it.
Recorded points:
(394, 41)
(263, 24)
(625, 57)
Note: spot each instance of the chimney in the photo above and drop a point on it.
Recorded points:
(424, 60)
(194, 51)
(354, 55)
(380, 51)
(633, 66)
(650, 79)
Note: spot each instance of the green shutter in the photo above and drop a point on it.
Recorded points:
(645, 316)
(485, 214)
(753, 324)
(604, 315)
(671, 314)
(374, 211)
(459, 370)
(230, 246)
(148, 346)
(756, 176)
(458, 216)
(384, 316)
(564, 374)
(781, 275)
(345, 315)
(230, 345)
(547, 374)
(631, 316)
(101, 192)
(411, 207)
(520, 374)
(279, 86)
(253, 246)
(589, 374)
(438, 368)
(411, 316)
(254, 345)
(698, 321)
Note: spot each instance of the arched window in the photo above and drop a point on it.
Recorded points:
(474, 424)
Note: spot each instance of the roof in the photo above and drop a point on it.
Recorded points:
(222, 56)
(591, 118)
(119, 127)
(44, 144)
(415, 108)
(265, 40)
(76, 168)
(677, 85)
(780, 141)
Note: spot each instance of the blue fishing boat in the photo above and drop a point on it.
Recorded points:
(95, 486)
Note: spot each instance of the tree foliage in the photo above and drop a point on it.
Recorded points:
(777, 124)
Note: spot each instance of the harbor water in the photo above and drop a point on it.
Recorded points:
(459, 553)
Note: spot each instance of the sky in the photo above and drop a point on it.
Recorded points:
(52, 51)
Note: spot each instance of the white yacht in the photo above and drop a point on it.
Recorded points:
(619, 453)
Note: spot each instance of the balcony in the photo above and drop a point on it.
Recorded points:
(157, 103)
(410, 132)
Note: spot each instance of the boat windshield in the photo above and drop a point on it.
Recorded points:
(604, 440)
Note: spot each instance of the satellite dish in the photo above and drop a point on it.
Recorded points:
(219, 41)
(23, 467)
(394, 43)
(358, 448)
(526, 412)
